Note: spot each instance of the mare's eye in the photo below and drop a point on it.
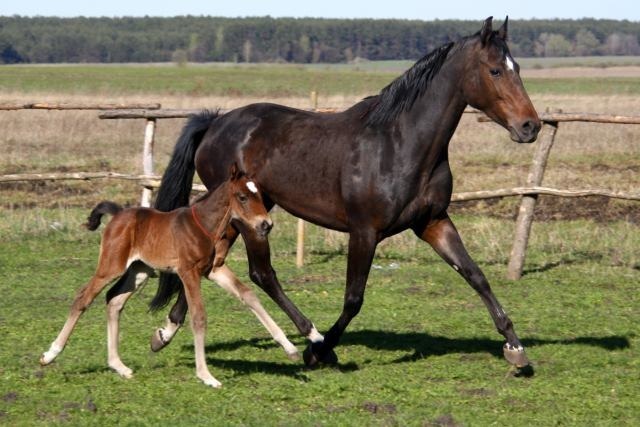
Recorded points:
(495, 72)
(242, 198)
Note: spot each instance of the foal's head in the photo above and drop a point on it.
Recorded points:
(246, 203)
(492, 84)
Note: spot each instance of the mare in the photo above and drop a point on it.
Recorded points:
(185, 241)
(372, 171)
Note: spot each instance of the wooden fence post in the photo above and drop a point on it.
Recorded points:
(527, 205)
(147, 159)
(300, 235)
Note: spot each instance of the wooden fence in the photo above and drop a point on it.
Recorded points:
(152, 112)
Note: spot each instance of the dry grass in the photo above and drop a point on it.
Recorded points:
(482, 156)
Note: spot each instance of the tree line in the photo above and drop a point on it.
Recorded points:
(303, 40)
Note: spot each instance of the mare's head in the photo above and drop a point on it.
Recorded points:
(246, 203)
(492, 84)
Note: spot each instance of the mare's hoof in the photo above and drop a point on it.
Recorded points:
(157, 341)
(516, 356)
(312, 360)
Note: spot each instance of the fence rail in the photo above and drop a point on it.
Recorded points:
(152, 112)
(76, 106)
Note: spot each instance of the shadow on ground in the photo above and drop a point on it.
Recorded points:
(419, 345)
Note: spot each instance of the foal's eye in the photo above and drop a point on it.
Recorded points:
(242, 198)
(495, 72)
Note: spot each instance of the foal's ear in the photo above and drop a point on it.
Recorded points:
(502, 31)
(235, 171)
(486, 30)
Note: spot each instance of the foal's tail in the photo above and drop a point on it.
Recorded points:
(175, 188)
(93, 221)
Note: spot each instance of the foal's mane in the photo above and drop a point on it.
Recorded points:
(402, 93)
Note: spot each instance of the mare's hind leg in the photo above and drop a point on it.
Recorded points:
(117, 297)
(445, 240)
(105, 273)
(228, 281)
(163, 336)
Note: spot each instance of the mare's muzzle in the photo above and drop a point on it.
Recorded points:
(525, 132)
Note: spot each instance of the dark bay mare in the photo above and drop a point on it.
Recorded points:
(372, 171)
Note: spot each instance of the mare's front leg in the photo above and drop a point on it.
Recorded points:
(263, 275)
(117, 297)
(362, 247)
(442, 235)
(191, 281)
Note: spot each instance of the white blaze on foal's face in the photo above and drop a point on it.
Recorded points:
(252, 187)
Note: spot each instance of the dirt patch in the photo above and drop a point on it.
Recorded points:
(379, 408)
(308, 279)
(10, 397)
(446, 420)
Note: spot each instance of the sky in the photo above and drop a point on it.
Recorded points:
(402, 9)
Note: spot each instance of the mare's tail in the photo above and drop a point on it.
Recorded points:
(175, 189)
(93, 221)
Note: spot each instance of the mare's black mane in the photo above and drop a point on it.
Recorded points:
(402, 93)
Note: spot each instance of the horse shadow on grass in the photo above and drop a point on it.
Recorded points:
(419, 345)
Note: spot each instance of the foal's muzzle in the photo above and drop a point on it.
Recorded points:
(264, 227)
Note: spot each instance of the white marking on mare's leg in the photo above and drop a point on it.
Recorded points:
(314, 335)
(167, 333)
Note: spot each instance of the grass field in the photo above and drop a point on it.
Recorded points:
(423, 351)
(254, 80)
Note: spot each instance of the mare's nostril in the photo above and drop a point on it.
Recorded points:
(530, 128)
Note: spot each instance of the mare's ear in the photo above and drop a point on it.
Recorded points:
(486, 30)
(502, 31)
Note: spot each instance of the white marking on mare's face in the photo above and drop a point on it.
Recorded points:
(509, 63)
(252, 187)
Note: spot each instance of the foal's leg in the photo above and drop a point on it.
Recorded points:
(445, 240)
(225, 278)
(137, 274)
(263, 275)
(191, 281)
(105, 273)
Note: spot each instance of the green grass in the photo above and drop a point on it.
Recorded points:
(254, 80)
(423, 351)
(584, 86)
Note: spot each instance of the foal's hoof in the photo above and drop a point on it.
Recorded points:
(158, 342)
(517, 357)
(313, 360)
(294, 356)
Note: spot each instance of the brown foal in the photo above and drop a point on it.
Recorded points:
(187, 241)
